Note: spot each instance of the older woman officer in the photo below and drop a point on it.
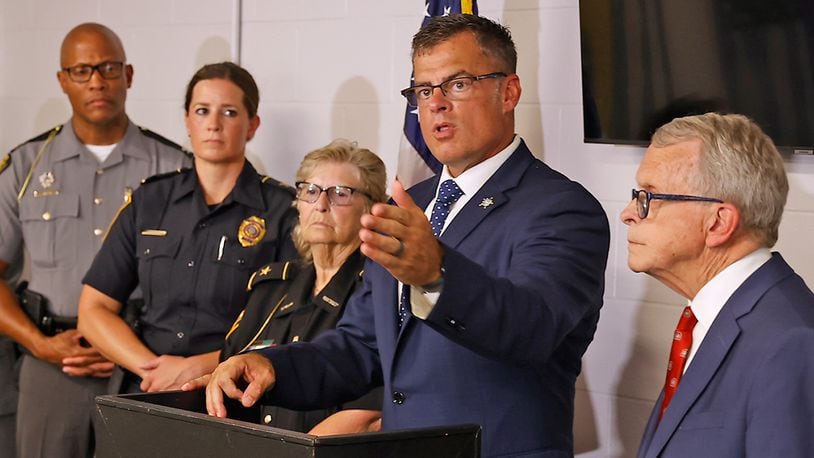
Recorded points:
(191, 240)
(296, 301)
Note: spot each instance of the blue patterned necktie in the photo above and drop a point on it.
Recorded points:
(448, 194)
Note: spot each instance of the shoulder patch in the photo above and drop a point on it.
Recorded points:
(265, 179)
(161, 139)
(41, 137)
(162, 176)
(270, 272)
(4, 163)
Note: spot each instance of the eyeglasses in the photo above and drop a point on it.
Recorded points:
(458, 88)
(337, 195)
(643, 199)
(83, 73)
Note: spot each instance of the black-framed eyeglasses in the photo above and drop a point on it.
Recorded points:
(457, 88)
(643, 199)
(82, 73)
(337, 195)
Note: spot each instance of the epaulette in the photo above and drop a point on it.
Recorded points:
(41, 137)
(162, 139)
(4, 163)
(265, 179)
(161, 176)
(274, 271)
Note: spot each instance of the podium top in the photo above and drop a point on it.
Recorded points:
(175, 422)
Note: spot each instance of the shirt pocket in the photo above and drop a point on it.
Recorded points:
(156, 259)
(234, 267)
(51, 229)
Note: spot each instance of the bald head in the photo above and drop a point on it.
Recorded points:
(88, 34)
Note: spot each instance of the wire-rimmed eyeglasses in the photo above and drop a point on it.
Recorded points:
(337, 195)
(82, 73)
(643, 199)
(457, 88)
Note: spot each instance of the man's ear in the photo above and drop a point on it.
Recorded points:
(62, 77)
(128, 75)
(722, 224)
(511, 95)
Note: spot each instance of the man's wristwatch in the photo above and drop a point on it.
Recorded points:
(434, 287)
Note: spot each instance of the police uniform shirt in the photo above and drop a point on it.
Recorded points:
(69, 202)
(193, 261)
(282, 309)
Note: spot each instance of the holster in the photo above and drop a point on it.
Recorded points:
(35, 305)
(121, 377)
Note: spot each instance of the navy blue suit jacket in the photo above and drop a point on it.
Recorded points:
(749, 390)
(524, 265)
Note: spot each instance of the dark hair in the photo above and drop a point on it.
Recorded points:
(494, 39)
(231, 72)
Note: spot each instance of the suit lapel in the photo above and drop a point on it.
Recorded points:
(491, 196)
(716, 345)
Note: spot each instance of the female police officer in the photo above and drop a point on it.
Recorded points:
(190, 240)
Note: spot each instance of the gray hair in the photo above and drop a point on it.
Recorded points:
(369, 169)
(739, 164)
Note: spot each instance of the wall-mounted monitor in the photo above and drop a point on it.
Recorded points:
(645, 62)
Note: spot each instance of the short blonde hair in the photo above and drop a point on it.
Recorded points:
(739, 164)
(370, 171)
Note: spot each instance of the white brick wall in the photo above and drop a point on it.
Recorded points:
(329, 68)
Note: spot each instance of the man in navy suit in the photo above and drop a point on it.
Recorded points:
(500, 309)
(713, 192)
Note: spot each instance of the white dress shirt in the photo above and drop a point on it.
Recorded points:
(711, 298)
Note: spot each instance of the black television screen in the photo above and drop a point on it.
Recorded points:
(645, 62)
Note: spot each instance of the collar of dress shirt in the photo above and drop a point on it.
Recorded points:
(711, 298)
(473, 178)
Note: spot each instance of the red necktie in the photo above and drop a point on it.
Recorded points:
(682, 341)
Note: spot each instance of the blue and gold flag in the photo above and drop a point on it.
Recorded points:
(416, 163)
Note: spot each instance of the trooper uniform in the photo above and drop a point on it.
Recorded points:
(282, 309)
(193, 261)
(57, 200)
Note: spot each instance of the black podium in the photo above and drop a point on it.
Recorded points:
(174, 424)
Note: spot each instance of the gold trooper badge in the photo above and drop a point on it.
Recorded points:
(251, 231)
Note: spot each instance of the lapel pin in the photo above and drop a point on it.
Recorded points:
(486, 202)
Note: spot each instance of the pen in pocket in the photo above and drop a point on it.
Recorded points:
(220, 247)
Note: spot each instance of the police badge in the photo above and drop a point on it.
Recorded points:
(251, 231)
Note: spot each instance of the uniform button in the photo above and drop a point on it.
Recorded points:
(180, 335)
(398, 397)
(241, 261)
(100, 171)
(191, 264)
(97, 200)
(202, 225)
(267, 419)
(46, 216)
(98, 231)
(147, 252)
